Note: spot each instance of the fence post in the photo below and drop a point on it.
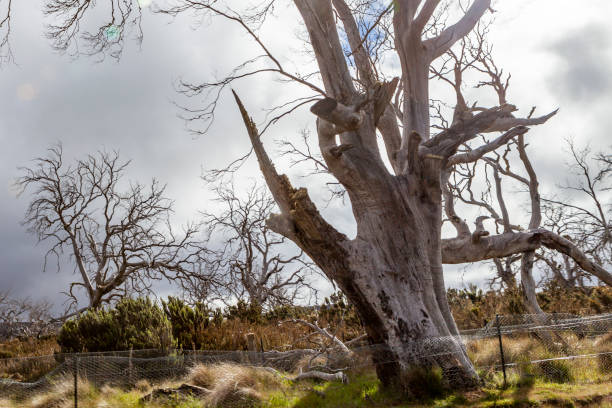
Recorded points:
(130, 366)
(251, 347)
(76, 382)
(501, 349)
(263, 356)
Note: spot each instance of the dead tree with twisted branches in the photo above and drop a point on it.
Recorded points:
(23, 316)
(581, 213)
(118, 236)
(245, 260)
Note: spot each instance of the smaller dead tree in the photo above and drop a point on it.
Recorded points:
(119, 237)
(23, 317)
(582, 215)
(252, 263)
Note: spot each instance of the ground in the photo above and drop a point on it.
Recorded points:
(363, 390)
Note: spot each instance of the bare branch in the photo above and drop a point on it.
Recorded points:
(452, 34)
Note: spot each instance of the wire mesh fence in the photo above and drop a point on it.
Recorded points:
(551, 348)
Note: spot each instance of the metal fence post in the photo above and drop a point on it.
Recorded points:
(195, 355)
(263, 356)
(501, 349)
(76, 382)
(131, 366)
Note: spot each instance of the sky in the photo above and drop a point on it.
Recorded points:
(558, 51)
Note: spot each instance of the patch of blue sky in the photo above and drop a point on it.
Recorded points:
(366, 17)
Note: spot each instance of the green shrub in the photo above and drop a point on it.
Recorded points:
(188, 323)
(246, 312)
(425, 383)
(284, 312)
(132, 323)
(337, 308)
(605, 363)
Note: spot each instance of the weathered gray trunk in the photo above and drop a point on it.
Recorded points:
(397, 283)
(392, 270)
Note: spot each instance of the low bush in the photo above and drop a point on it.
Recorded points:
(188, 323)
(556, 371)
(132, 324)
(248, 312)
(425, 383)
(605, 363)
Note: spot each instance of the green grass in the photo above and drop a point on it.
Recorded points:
(361, 390)
(364, 391)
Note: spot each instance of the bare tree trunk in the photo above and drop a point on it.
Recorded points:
(392, 270)
(396, 263)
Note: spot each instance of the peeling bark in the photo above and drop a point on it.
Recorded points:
(394, 281)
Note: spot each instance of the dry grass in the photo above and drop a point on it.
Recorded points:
(143, 386)
(233, 385)
(605, 340)
(519, 348)
(29, 347)
(485, 352)
(61, 395)
(231, 335)
(26, 369)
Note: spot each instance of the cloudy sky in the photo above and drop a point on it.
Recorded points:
(558, 51)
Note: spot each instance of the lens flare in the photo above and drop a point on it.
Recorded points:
(26, 92)
(112, 33)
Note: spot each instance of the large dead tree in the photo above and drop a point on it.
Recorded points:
(392, 269)
(118, 239)
(245, 260)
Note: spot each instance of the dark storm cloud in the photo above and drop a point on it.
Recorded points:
(584, 69)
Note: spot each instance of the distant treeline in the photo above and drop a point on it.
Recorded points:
(142, 323)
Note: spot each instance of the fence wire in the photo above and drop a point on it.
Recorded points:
(555, 348)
